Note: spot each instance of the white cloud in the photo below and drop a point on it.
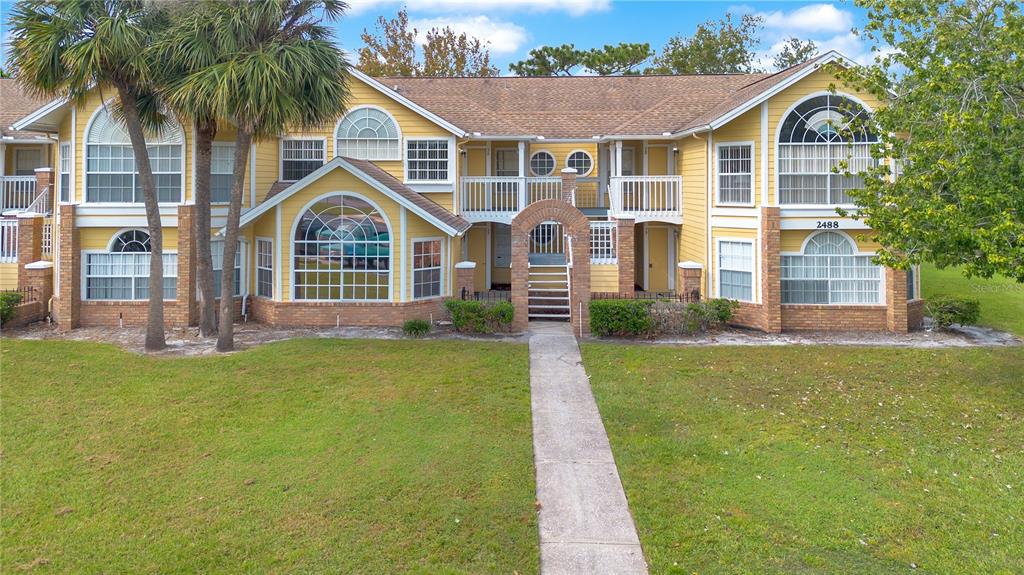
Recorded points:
(571, 7)
(501, 37)
(813, 18)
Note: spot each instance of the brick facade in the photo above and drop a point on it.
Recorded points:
(688, 279)
(464, 278)
(771, 270)
(625, 236)
(896, 300)
(30, 243)
(186, 312)
(833, 318)
(331, 314)
(67, 305)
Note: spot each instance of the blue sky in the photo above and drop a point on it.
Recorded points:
(513, 27)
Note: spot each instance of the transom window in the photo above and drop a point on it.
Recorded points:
(222, 171)
(736, 270)
(427, 160)
(342, 251)
(426, 266)
(368, 134)
(580, 161)
(110, 172)
(122, 273)
(542, 163)
(736, 174)
(830, 271)
(815, 138)
(300, 158)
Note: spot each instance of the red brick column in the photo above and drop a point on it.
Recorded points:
(67, 306)
(186, 311)
(464, 272)
(771, 269)
(688, 279)
(44, 183)
(896, 319)
(568, 185)
(624, 254)
(30, 243)
(39, 275)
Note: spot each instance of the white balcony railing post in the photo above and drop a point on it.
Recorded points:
(653, 197)
(16, 192)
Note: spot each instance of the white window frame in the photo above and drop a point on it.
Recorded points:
(775, 144)
(240, 256)
(280, 153)
(441, 281)
(398, 129)
(916, 277)
(554, 163)
(64, 150)
(593, 164)
(85, 163)
(212, 173)
(260, 242)
(882, 302)
(84, 272)
(452, 153)
(753, 266)
(718, 174)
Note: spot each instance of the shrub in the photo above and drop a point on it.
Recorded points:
(8, 301)
(623, 317)
(674, 318)
(476, 317)
(416, 327)
(947, 310)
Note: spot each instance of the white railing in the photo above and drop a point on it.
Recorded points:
(16, 192)
(603, 243)
(41, 204)
(502, 197)
(48, 238)
(548, 238)
(8, 241)
(648, 197)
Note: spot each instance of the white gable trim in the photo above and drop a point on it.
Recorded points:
(326, 169)
(408, 103)
(50, 107)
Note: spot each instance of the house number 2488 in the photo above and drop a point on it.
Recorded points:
(828, 224)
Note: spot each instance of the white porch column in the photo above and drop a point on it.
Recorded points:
(617, 166)
(522, 175)
(3, 158)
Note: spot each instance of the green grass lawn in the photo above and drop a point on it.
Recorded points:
(818, 460)
(1002, 299)
(307, 456)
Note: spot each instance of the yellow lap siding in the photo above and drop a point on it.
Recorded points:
(793, 240)
(8, 276)
(604, 278)
(745, 129)
(99, 238)
(692, 165)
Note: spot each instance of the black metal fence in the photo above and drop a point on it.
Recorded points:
(489, 296)
(683, 297)
(28, 293)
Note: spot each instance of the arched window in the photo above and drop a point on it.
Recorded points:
(831, 271)
(122, 272)
(814, 138)
(368, 134)
(342, 251)
(110, 174)
(542, 163)
(581, 162)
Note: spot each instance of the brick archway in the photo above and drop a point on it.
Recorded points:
(577, 227)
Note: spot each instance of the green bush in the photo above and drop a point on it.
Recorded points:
(674, 318)
(477, 317)
(8, 301)
(416, 327)
(622, 317)
(947, 310)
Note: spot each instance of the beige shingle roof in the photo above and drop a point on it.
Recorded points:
(584, 106)
(15, 104)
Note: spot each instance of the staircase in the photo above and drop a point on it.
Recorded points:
(548, 291)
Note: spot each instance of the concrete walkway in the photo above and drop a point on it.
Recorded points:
(585, 525)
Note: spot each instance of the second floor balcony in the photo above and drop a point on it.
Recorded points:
(501, 198)
(18, 194)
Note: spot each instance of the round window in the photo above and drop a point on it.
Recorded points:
(542, 164)
(581, 162)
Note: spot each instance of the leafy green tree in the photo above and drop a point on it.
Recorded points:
(188, 46)
(282, 72)
(720, 47)
(567, 60)
(393, 51)
(954, 117)
(4, 73)
(795, 51)
(68, 49)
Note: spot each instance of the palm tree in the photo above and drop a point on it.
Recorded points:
(281, 72)
(189, 45)
(69, 48)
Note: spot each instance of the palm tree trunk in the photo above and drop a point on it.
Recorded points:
(155, 319)
(226, 334)
(206, 130)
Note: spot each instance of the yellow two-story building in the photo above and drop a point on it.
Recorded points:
(544, 191)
